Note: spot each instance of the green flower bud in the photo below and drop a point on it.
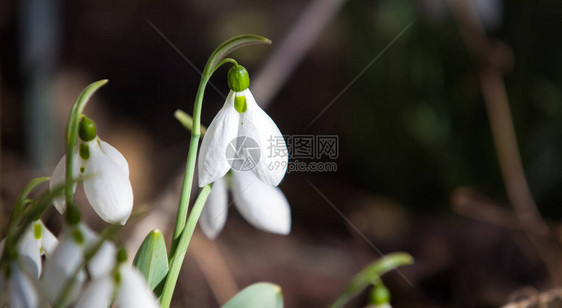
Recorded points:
(380, 294)
(238, 78)
(86, 129)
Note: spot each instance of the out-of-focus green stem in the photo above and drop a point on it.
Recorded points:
(371, 274)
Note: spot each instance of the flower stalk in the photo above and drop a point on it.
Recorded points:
(182, 231)
(72, 214)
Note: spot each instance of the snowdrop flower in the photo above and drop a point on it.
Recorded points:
(241, 120)
(262, 205)
(106, 176)
(36, 241)
(125, 286)
(68, 256)
(18, 289)
(18, 280)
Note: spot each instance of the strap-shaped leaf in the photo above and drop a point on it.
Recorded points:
(258, 295)
(152, 259)
(371, 274)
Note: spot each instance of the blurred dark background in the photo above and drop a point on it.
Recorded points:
(413, 129)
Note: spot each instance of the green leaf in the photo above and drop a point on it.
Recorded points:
(187, 121)
(229, 46)
(152, 259)
(261, 294)
(371, 274)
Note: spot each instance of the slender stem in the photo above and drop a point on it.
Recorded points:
(72, 138)
(223, 61)
(176, 260)
(190, 165)
(21, 202)
(183, 231)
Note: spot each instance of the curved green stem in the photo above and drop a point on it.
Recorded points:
(177, 252)
(176, 260)
(215, 60)
(22, 201)
(371, 275)
(223, 61)
(72, 139)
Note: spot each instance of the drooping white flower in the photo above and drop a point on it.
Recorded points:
(68, 256)
(18, 289)
(106, 181)
(262, 205)
(128, 286)
(266, 156)
(37, 240)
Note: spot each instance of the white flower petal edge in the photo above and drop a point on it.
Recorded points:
(49, 241)
(133, 291)
(107, 187)
(261, 204)
(212, 163)
(215, 210)
(58, 177)
(257, 125)
(97, 294)
(104, 260)
(29, 250)
(114, 154)
(68, 255)
(23, 293)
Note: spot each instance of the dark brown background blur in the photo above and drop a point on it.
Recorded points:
(412, 129)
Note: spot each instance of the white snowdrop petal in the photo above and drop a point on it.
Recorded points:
(48, 240)
(133, 292)
(58, 178)
(107, 187)
(272, 164)
(23, 293)
(97, 294)
(104, 260)
(212, 162)
(29, 252)
(261, 204)
(215, 211)
(114, 154)
(66, 258)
